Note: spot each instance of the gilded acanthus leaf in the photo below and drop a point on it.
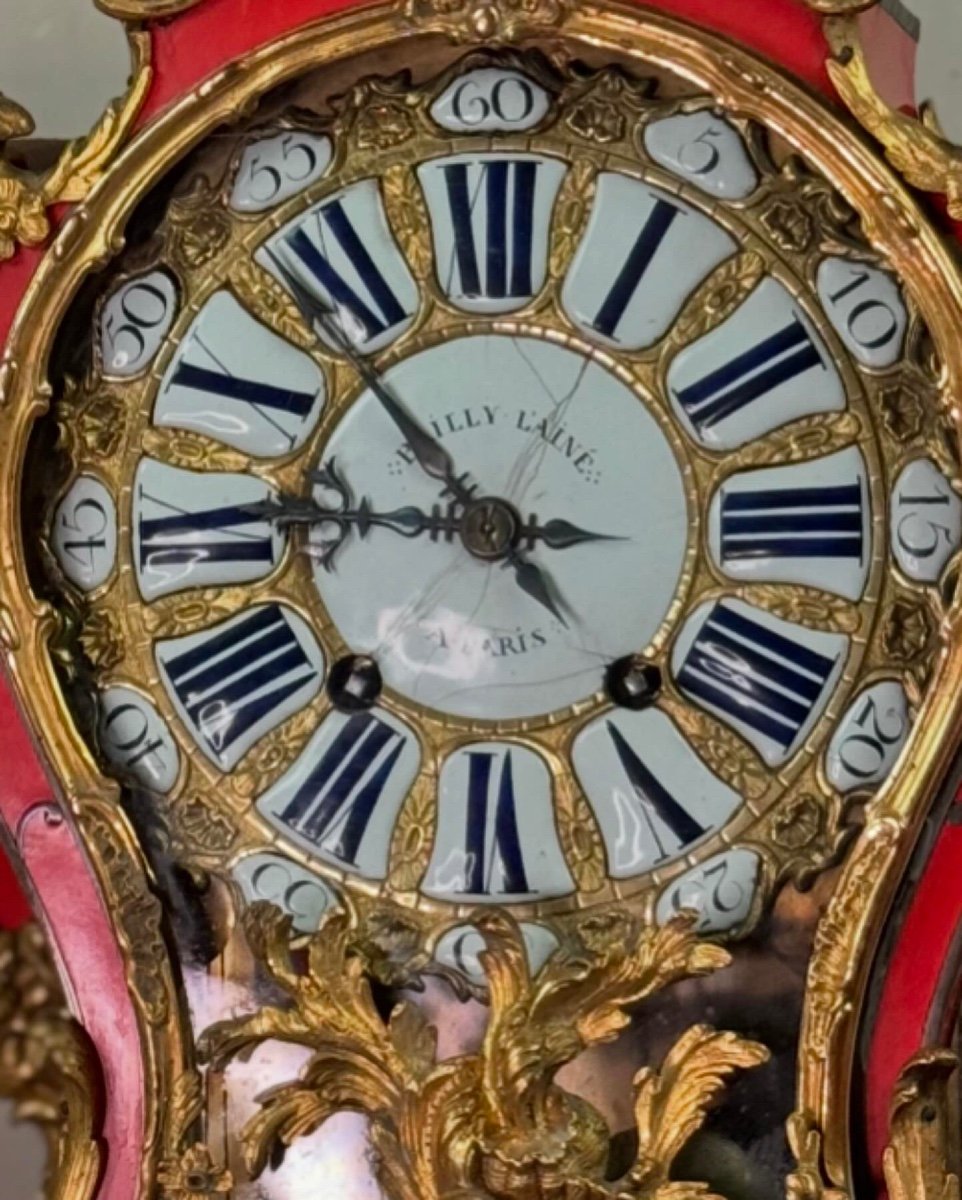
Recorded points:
(23, 217)
(192, 451)
(804, 606)
(15, 121)
(102, 640)
(180, 615)
(926, 159)
(722, 751)
(917, 1160)
(83, 161)
(409, 218)
(724, 291)
(801, 441)
(487, 20)
(412, 840)
(264, 298)
(186, 1105)
(47, 1067)
(493, 1124)
(198, 228)
(574, 203)
(808, 1181)
(581, 840)
(671, 1104)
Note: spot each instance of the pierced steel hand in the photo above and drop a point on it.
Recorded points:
(440, 523)
(429, 454)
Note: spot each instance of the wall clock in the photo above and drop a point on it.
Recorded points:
(480, 540)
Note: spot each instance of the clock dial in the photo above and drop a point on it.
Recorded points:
(496, 486)
(593, 477)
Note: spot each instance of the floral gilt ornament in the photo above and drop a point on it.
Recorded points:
(495, 1123)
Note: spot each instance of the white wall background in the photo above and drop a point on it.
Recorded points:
(62, 60)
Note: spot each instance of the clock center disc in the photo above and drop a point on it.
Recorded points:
(573, 469)
(490, 528)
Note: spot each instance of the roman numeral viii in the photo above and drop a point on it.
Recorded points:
(755, 676)
(234, 682)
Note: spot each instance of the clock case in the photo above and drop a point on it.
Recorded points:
(876, 996)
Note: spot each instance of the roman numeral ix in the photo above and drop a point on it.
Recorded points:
(179, 539)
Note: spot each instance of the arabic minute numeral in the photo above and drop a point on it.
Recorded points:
(508, 98)
(296, 163)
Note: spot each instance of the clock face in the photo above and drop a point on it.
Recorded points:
(508, 483)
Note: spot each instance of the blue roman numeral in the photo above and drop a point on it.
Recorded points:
(639, 259)
(653, 797)
(377, 313)
(503, 848)
(232, 680)
(749, 376)
(340, 795)
(754, 675)
(178, 540)
(247, 391)
(813, 522)
(509, 187)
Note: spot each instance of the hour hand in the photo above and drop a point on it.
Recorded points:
(344, 517)
(560, 535)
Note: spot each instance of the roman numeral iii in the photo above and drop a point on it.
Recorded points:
(812, 522)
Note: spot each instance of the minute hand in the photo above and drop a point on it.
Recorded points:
(431, 456)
